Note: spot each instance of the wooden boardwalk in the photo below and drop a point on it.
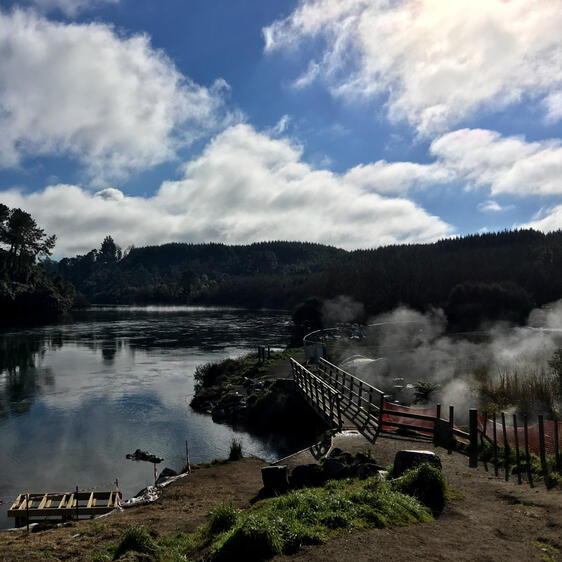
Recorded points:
(65, 506)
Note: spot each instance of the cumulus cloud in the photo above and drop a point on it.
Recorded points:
(505, 164)
(112, 102)
(244, 187)
(436, 62)
(550, 220)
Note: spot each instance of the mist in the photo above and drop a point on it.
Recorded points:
(403, 347)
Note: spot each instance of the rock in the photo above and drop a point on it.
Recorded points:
(167, 473)
(405, 460)
(367, 470)
(335, 452)
(335, 468)
(307, 475)
(139, 455)
(275, 478)
(361, 458)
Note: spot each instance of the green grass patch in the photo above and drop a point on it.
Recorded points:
(426, 483)
(308, 516)
(222, 518)
(136, 539)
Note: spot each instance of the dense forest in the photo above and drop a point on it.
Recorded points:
(493, 276)
(485, 276)
(27, 291)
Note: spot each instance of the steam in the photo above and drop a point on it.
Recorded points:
(404, 346)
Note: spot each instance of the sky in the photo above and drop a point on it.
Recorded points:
(354, 123)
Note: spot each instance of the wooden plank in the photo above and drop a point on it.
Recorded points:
(43, 502)
(91, 500)
(62, 502)
(16, 503)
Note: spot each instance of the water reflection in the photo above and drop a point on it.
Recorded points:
(77, 396)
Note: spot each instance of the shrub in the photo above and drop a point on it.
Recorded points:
(256, 538)
(221, 519)
(137, 540)
(235, 450)
(425, 483)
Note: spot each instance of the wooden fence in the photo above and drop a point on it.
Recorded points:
(338, 395)
(325, 399)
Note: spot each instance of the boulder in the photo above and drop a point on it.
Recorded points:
(404, 460)
(367, 470)
(275, 478)
(335, 468)
(307, 475)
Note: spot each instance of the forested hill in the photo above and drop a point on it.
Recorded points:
(511, 270)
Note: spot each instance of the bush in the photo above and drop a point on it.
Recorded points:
(256, 538)
(425, 483)
(235, 450)
(221, 519)
(137, 540)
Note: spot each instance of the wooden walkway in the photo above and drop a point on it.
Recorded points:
(65, 506)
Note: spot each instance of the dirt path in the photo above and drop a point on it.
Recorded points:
(488, 519)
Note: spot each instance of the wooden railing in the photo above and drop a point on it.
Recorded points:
(324, 398)
(338, 395)
(358, 397)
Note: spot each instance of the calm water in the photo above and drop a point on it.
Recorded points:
(76, 397)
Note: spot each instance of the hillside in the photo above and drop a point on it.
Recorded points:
(513, 270)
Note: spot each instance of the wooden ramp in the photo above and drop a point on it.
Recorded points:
(65, 506)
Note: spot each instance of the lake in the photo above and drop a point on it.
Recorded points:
(77, 396)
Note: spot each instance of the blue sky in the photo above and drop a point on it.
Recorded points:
(349, 122)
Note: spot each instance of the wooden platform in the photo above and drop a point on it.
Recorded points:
(65, 506)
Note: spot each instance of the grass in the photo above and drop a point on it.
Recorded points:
(235, 450)
(426, 483)
(282, 524)
(135, 539)
(527, 389)
(308, 516)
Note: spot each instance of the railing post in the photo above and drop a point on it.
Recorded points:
(473, 421)
(506, 449)
(381, 410)
(517, 457)
(542, 451)
(496, 443)
(527, 456)
(557, 445)
(451, 427)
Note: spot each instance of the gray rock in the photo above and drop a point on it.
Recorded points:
(335, 468)
(367, 470)
(404, 460)
(275, 478)
(307, 475)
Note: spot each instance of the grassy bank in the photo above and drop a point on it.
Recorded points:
(286, 523)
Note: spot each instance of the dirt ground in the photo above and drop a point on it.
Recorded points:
(487, 519)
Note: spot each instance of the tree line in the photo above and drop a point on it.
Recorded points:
(491, 276)
(27, 291)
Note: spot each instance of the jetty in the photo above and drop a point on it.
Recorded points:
(28, 508)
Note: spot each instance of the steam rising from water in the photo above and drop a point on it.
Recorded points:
(405, 346)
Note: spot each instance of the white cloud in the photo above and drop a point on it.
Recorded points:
(505, 164)
(112, 102)
(490, 206)
(69, 7)
(437, 61)
(244, 187)
(550, 221)
(397, 177)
